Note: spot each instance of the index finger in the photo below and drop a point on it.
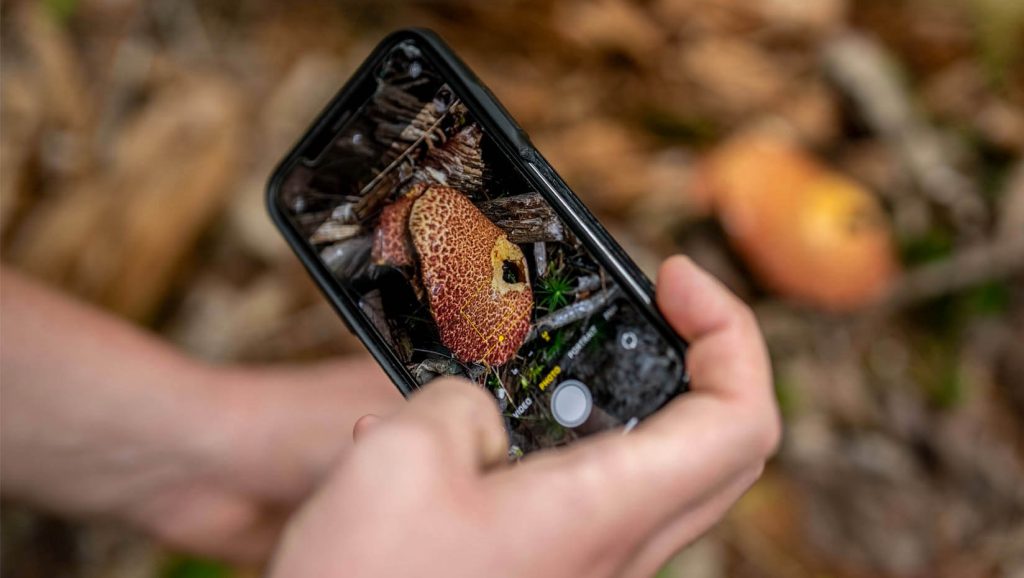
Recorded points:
(454, 417)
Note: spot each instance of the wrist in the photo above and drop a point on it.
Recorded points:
(104, 446)
(282, 427)
(171, 435)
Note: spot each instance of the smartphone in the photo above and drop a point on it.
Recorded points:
(449, 246)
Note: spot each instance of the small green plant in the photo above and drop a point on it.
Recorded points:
(597, 341)
(61, 10)
(553, 347)
(189, 567)
(530, 375)
(554, 291)
(492, 381)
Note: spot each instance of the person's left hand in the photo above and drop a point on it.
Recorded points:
(99, 418)
(272, 434)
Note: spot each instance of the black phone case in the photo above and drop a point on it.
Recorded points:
(515, 144)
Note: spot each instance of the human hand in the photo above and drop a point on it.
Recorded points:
(102, 419)
(267, 438)
(429, 492)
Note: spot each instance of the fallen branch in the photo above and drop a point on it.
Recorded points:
(997, 260)
(588, 283)
(540, 259)
(458, 163)
(373, 192)
(527, 218)
(347, 258)
(572, 313)
(863, 71)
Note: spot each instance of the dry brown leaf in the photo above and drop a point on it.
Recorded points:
(56, 64)
(526, 91)
(805, 17)
(711, 17)
(21, 115)
(736, 76)
(811, 109)
(603, 160)
(119, 236)
(610, 25)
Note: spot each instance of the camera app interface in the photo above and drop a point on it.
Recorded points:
(465, 269)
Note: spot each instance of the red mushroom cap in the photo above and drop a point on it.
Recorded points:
(475, 278)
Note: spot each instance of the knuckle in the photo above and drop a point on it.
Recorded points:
(745, 316)
(761, 433)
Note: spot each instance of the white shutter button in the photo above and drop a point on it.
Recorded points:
(571, 403)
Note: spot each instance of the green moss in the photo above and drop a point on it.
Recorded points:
(786, 394)
(675, 128)
(61, 10)
(554, 346)
(188, 567)
(531, 375)
(935, 245)
(937, 370)
(998, 27)
(990, 299)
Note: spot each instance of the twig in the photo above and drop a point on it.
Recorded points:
(346, 258)
(458, 163)
(332, 231)
(862, 70)
(540, 258)
(1000, 259)
(588, 283)
(432, 367)
(526, 218)
(572, 313)
(373, 182)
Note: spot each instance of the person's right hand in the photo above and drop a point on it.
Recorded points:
(428, 492)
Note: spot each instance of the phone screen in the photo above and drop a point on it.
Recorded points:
(463, 268)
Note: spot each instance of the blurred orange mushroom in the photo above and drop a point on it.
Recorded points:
(806, 231)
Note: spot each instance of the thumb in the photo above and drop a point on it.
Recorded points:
(687, 450)
(726, 354)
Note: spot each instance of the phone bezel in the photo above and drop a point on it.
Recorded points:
(514, 144)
